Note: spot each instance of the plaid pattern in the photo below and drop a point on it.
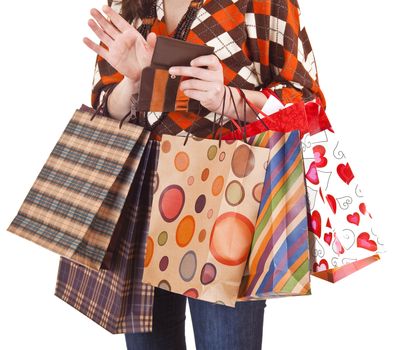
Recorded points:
(262, 44)
(77, 198)
(115, 298)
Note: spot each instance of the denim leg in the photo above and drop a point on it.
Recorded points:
(168, 331)
(220, 327)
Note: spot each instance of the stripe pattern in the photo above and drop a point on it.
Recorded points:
(278, 264)
(116, 299)
(76, 200)
(155, 92)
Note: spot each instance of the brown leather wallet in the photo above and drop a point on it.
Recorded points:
(158, 90)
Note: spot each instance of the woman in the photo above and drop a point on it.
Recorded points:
(261, 47)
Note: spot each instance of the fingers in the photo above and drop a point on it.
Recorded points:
(98, 49)
(206, 92)
(196, 72)
(211, 61)
(202, 85)
(151, 39)
(104, 24)
(104, 37)
(117, 20)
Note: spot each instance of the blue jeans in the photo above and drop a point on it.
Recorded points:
(216, 327)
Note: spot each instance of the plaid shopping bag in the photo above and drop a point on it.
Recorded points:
(75, 202)
(116, 299)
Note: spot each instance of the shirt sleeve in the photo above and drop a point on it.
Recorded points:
(287, 65)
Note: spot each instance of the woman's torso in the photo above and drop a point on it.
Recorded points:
(229, 28)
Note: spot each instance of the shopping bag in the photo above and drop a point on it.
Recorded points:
(278, 262)
(203, 214)
(115, 298)
(342, 238)
(74, 204)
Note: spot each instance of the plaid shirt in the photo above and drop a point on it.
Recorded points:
(262, 44)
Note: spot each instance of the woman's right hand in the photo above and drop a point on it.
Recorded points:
(128, 52)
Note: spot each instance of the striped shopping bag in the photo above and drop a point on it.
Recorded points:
(278, 263)
(75, 202)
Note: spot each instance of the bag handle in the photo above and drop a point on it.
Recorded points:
(244, 132)
(102, 107)
(255, 109)
(214, 123)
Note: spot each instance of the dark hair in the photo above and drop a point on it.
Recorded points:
(131, 9)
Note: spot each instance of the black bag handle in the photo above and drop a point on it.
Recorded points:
(102, 107)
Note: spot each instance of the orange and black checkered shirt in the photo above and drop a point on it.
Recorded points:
(262, 44)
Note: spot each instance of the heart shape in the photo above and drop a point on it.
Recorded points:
(311, 174)
(364, 241)
(321, 266)
(353, 218)
(345, 173)
(328, 224)
(362, 208)
(337, 246)
(319, 158)
(332, 202)
(328, 238)
(315, 223)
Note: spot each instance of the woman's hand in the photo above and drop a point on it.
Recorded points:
(128, 52)
(208, 88)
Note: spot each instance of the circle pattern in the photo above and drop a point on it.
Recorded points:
(212, 151)
(242, 161)
(163, 284)
(190, 180)
(181, 161)
(192, 293)
(208, 273)
(217, 185)
(200, 203)
(162, 238)
(205, 174)
(234, 193)
(202, 235)
(257, 191)
(188, 265)
(222, 155)
(230, 238)
(185, 230)
(166, 146)
(172, 200)
(163, 263)
(149, 251)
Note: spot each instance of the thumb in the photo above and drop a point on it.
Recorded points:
(151, 39)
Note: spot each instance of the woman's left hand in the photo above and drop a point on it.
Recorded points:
(208, 87)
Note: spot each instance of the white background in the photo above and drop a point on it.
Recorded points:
(47, 73)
